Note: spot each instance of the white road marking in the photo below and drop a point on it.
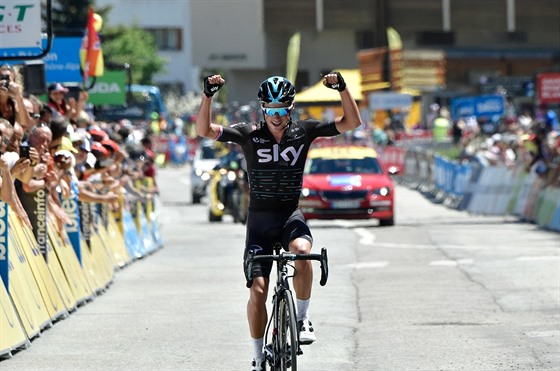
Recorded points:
(446, 263)
(366, 237)
(451, 263)
(375, 264)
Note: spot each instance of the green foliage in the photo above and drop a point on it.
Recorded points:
(120, 45)
(70, 16)
(136, 47)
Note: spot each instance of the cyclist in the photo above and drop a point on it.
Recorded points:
(275, 151)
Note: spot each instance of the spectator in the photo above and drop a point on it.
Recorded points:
(442, 124)
(12, 107)
(542, 157)
(525, 120)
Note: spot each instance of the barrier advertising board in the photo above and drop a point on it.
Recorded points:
(478, 106)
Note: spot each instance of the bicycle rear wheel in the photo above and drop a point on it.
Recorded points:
(287, 345)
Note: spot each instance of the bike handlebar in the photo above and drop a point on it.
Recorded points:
(286, 257)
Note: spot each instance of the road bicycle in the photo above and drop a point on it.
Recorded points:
(282, 340)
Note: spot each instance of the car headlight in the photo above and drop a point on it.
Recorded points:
(383, 191)
(198, 172)
(306, 192)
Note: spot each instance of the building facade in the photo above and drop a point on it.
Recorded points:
(483, 40)
(169, 22)
(247, 40)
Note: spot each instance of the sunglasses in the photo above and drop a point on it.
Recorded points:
(280, 111)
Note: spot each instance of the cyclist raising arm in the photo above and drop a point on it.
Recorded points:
(275, 151)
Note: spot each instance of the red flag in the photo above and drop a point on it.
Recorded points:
(91, 56)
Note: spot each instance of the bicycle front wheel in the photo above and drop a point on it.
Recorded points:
(287, 333)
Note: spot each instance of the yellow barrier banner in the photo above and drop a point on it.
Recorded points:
(69, 263)
(91, 268)
(45, 282)
(117, 245)
(12, 335)
(106, 266)
(25, 294)
(66, 293)
(114, 243)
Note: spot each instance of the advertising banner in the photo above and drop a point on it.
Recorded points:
(71, 208)
(62, 63)
(548, 87)
(378, 101)
(20, 25)
(478, 106)
(109, 89)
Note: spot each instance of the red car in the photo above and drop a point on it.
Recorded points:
(347, 182)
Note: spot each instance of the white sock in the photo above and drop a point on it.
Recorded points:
(258, 354)
(302, 306)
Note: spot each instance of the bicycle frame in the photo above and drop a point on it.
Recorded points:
(281, 353)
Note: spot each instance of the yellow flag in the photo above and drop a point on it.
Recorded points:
(292, 58)
(394, 39)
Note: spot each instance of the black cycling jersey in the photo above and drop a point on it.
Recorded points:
(276, 169)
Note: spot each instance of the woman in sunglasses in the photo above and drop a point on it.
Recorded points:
(275, 151)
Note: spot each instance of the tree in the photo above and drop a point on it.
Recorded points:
(69, 17)
(136, 47)
(120, 45)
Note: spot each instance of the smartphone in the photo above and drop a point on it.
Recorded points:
(24, 151)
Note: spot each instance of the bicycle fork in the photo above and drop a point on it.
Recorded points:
(272, 350)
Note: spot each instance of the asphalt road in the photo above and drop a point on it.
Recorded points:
(442, 290)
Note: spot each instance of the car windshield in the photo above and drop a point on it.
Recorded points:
(368, 165)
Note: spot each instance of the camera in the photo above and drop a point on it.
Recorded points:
(5, 81)
(24, 151)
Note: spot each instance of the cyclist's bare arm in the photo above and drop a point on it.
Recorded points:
(204, 125)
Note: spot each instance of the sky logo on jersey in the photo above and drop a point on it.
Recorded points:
(273, 155)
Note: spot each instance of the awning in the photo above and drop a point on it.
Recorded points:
(320, 94)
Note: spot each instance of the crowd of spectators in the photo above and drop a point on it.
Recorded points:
(528, 141)
(57, 148)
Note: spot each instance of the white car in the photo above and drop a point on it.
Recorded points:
(204, 161)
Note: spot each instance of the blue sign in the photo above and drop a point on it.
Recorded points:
(62, 63)
(383, 100)
(70, 206)
(479, 106)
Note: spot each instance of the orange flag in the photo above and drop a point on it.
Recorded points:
(91, 56)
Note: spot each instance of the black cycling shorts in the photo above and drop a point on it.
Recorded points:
(264, 229)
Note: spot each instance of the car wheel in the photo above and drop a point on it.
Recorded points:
(214, 218)
(386, 222)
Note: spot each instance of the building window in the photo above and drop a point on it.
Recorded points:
(167, 38)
